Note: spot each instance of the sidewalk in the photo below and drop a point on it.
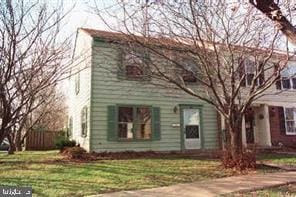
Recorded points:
(213, 187)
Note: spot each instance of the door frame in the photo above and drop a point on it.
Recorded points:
(182, 131)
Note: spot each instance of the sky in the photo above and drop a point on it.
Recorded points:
(82, 15)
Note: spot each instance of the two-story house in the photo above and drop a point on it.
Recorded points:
(112, 109)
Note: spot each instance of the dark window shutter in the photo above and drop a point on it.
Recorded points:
(112, 123)
(261, 76)
(156, 133)
(241, 70)
(282, 120)
(278, 84)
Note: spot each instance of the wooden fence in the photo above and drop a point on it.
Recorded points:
(41, 140)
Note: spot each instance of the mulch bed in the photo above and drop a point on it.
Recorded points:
(94, 156)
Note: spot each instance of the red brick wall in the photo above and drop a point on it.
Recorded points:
(277, 134)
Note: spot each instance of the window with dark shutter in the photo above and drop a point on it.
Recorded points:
(134, 65)
(133, 123)
(189, 71)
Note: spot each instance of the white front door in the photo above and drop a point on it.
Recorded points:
(191, 128)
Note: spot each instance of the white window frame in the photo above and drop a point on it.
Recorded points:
(291, 83)
(294, 119)
(247, 72)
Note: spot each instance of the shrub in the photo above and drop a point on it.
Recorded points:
(61, 142)
(76, 153)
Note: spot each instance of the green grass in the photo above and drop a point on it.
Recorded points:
(286, 190)
(283, 159)
(50, 176)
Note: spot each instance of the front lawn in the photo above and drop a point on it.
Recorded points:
(281, 159)
(49, 175)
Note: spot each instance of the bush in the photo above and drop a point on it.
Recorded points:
(76, 153)
(61, 142)
(247, 160)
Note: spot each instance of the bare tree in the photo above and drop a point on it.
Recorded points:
(273, 11)
(31, 58)
(50, 116)
(227, 50)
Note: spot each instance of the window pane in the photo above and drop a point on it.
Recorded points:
(143, 127)
(125, 122)
(294, 82)
(133, 65)
(289, 113)
(189, 71)
(133, 71)
(125, 130)
(290, 126)
(250, 78)
(250, 66)
(286, 83)
(125, 114)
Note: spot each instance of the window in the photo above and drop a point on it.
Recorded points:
(84, 121)
(128, 123)
(288, 79)
(188, 71)
(134, 65)
(290, 119)
(134, 123)
(286, 83)
(248, 68)
(77, 83)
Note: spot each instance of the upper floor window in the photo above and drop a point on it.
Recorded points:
(189, 71)
(290, 120)
(249, 69)
(134, 64)
(288, 79)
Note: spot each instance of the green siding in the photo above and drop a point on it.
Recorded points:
(109, 90)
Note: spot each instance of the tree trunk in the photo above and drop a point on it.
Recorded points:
(18, 141)
(12, 147)
(235, 131)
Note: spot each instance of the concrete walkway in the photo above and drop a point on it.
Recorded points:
(213, 187)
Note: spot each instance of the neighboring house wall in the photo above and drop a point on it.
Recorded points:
(80, 93)
(267, 129)
(279, 97)
(109, 90)
(277, 128)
